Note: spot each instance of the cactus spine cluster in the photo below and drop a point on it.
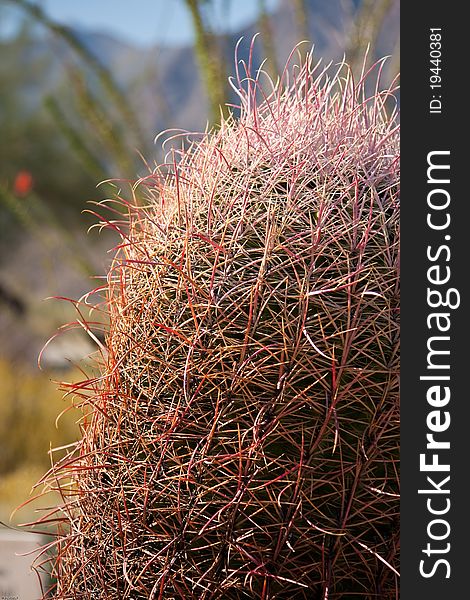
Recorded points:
(241, 441)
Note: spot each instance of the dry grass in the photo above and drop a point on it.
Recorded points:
(28, 410)
(242, 438)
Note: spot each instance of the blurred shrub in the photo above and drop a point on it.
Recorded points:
(28, 429)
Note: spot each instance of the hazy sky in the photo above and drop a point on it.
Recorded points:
(141, 22)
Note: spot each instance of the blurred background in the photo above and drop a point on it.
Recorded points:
(86, 85)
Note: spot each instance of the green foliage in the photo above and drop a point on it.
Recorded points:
(30, 142)
(105, 77)
(211, 63)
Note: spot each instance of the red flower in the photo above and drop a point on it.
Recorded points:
(23, 183)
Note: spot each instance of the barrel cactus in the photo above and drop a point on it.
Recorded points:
(241, 438)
